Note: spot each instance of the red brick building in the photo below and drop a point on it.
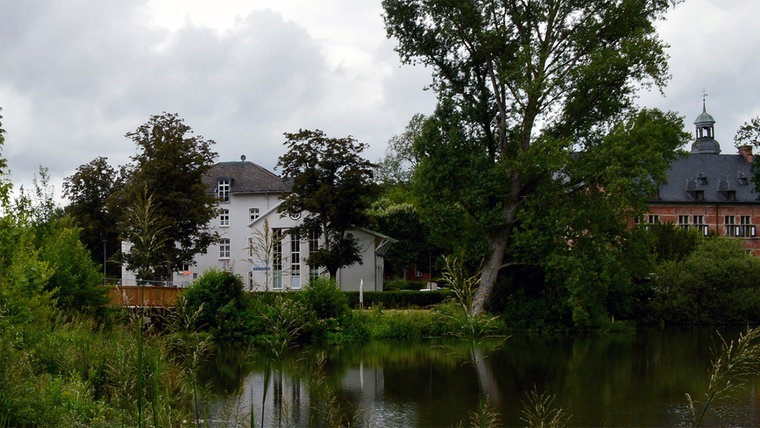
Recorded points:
(710, 191)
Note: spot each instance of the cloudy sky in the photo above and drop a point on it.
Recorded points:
(76, 75)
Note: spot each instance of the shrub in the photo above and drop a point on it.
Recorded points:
(709, 286)
(219, 297)
(325, 298)
(398, 299)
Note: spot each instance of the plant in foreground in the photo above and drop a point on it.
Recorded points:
(538, 411)
(736, 364)
(473, 326)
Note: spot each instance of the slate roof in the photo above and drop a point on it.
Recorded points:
(718, 179)
(245, 177)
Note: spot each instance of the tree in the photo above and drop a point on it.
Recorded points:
(332, 186)
(521, 86)
(5, 185)
(91, 191)
(403, 222)
(263, 243)
(400, 160)
(749, 135)
(170, 164)
(145, 230)
(76, 280)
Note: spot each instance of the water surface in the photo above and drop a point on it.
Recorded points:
(626, 379)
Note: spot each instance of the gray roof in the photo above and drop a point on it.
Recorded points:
(708, 179)
(245, 177)
(704, 118)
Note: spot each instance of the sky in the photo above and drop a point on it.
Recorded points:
(77, 75)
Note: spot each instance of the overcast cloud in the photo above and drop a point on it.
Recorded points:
(76, 75)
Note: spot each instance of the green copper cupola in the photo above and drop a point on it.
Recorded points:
(705, 133)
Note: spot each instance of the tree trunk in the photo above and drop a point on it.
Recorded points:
(491, 268)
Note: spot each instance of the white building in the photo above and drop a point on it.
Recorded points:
(254, 241)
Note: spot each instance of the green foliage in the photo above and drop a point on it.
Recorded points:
(400, 159)
(403, 222)
(145, 229)
(325, 299)
(74, 373)
(332, 187)
(531, 112)
(404, 325)
(398, 299)
(76, 280)
(218, 295)
(170, 164)
(749, 135)
(5, 185)
(91, 191)
(708, 286)
(284, 321)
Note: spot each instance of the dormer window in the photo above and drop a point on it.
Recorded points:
(223, 190)
(702, 178)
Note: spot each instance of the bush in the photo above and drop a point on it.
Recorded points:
(711, 285)
(325, 298)
(219, 297)
(398, 299)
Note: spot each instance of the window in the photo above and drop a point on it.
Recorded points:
(223, 190)
(730, 223)
(250, 247)
(683, 221)
(745, 229)
(250, 280)
(313, 247)
(699, 222)
(652, 219)
(253, 214)
(224, 248)
(224, 217)
(277, 259)
(295, 260)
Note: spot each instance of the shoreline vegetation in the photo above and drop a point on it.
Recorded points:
(82, 370)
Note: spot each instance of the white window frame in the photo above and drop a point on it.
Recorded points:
(224, 217)
(253, 214)
(225, 247)
(295, 260)
(277, 259)
(223, 190)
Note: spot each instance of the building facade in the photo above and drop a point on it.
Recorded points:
(255, 241)
(709, 191)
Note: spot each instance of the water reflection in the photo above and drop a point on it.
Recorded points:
(635, 379)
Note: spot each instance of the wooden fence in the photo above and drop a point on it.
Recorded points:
(146, 296)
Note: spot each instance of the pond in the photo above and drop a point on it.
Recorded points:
(623, 379)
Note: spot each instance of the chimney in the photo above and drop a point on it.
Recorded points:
(746, 152)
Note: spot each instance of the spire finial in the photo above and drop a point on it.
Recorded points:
(704, 96)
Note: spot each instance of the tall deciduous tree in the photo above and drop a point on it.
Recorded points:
(5, 184)
(521, 85)
(332, 186)
(92, 191)
(749, 135)
(400, 158)
(170, 164)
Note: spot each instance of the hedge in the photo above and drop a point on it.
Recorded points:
(398, 299)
